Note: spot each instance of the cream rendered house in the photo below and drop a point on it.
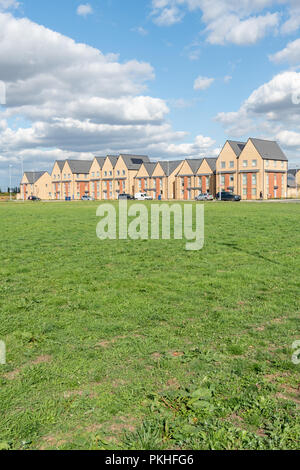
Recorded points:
(126, 170)
(143, 181)
(56, 177)
(75, 179)
(36, 183)
(164, 176)
(95, 177)
(227, 166)
(262, 170)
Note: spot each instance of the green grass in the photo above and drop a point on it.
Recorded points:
(143, 345)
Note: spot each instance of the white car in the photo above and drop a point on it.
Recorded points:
(142, 197)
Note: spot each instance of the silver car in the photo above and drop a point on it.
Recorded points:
(204, 197)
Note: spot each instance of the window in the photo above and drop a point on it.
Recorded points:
(231, 179)
(124, 172)
(146, 183)
(207, 182)
(69, 176)
(65, 176)
(282, 164)
(182, 181)
(267, 163)
(244, 180)
(105, 173)
(253, 191)
(110, 173)
(254, 180)
(54, 176)
(223, 164)
(93, 174)
(118, 172)
(231, 164)
(245, 191)
(78, 176)
(254, 162)
(86, 176)
(222, 180)
(140, 184)
(98, 174)
(245, 163)
(275, 164)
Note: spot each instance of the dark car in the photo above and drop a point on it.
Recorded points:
(227, 196)
(33, 198)
(124, 196)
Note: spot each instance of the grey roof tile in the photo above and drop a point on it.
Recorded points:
(170, 166)
(268, 149)
(34, 176)
(237, 146)
(80, 166)
(212, 162)
(134, 162)
(195, 164)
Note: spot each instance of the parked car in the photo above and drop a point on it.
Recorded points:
(125, 196)
(142, 197)
(87, 198)
(33, 198)
(227, 196)
(204, 197)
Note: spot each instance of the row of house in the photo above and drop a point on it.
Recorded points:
(254, 169)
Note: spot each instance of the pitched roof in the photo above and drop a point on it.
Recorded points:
(293, 171)
(113, 159)
(133, 162)
(101, 161)
(237, 146)
(212, 162)
(34, 176)
(150, 167)
(268, 149)
(79, 166)
(169, 167)
(195, 164)
(60, 163)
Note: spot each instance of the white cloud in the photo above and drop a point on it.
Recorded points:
(290, 54)
(271, 111)
(84, 10)
(8, 5)
(140, 30)
(226, 21)
(70, 99)
(202, 83)
(227, 78)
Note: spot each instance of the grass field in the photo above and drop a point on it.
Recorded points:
(143, 345)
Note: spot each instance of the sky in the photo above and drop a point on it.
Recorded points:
(165, 78)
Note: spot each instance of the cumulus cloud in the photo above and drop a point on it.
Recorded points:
(239, 22)
(84, 10)
(202, 83)
(290, 54)
(9, 5)
(70, 99)
(271, 111)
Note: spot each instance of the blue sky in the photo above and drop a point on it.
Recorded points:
(175, 79)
